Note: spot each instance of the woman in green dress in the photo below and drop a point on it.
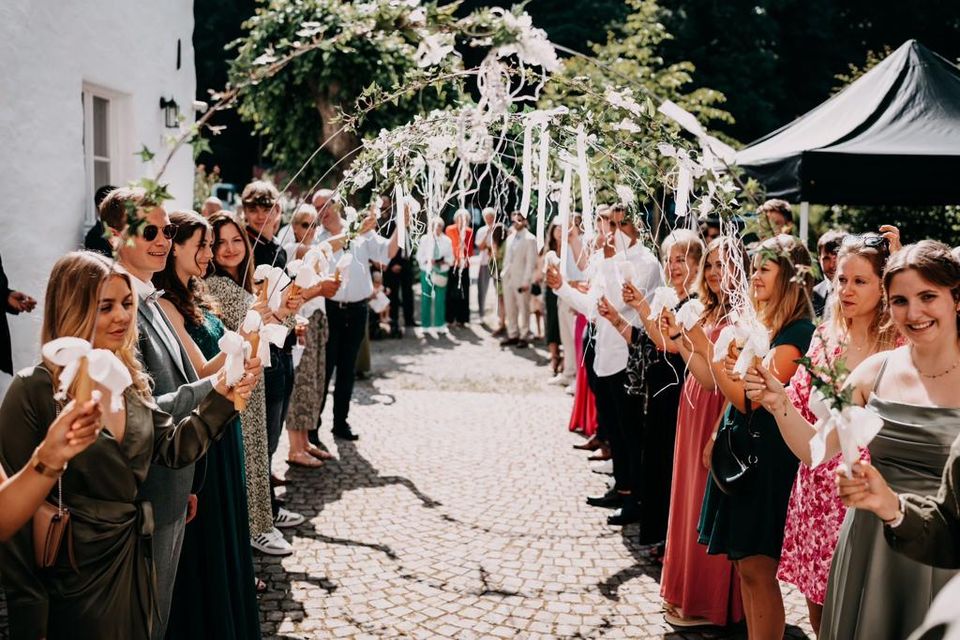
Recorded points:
(215, 591)
(873, 592)
(748, 527)
(110, 594)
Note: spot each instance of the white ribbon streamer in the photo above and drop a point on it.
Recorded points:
(526, 165)
(542, 184)
(689, 314)
(236, 348)
(103, 367)
(565, 193)
(274, 279)
(343, 268)
(664, 298)
(855, 427)
(583, 173)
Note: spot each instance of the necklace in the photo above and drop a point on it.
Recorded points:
(933, 375)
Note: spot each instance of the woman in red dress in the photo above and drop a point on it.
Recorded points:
(699, 589)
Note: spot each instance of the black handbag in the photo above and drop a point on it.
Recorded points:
(733, 463)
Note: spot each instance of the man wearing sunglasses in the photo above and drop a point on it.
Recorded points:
(177, 389)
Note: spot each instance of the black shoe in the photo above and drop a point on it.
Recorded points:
(361, 375)
(627, 514)
(610, 500)
(509, 342)
(522, 344)
(345, 433)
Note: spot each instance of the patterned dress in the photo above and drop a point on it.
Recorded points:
(308, 391)
(234, 302)
(815, 513)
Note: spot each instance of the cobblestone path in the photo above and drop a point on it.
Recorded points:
(460, 514)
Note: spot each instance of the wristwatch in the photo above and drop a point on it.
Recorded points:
(897, 519)
(38, 465)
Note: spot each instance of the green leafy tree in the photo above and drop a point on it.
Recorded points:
(332, 51)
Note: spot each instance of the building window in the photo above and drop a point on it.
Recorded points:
(100, 143)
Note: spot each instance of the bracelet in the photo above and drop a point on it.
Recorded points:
(676, 336)
(40, 467)
(897, 520)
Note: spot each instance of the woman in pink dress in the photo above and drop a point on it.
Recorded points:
(857, 328)
(698, 589)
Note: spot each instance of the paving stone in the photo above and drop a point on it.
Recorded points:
(459, 514)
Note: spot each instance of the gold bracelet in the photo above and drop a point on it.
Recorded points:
(43, 469)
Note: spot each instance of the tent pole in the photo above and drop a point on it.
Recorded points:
(804, 221)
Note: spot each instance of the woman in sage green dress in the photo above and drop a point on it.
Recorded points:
(873, 592)
(215, 594)
(110, 593)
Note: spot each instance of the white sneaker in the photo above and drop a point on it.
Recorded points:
(557, 379)
(605, 467)
(272, 543)
(571, 389)
(286, 519)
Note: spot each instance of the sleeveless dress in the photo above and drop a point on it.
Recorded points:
(215, 594)
(752, 524)
(701, 585)
(583, 416)
(874, 592)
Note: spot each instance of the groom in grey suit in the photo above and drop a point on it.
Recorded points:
(176, 388)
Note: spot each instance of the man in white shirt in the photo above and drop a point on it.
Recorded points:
(617, 412)
(347, 310)
(484, 246)
(519, 264)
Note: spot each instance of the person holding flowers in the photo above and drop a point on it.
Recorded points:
(903, 403)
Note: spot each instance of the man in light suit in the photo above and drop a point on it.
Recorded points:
(176, 388)
(519, 263)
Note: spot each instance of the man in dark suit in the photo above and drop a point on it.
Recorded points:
(827, 247)
(177, 389)
(95, 239)
(14, 302)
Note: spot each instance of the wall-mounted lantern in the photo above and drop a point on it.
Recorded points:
(171, 113)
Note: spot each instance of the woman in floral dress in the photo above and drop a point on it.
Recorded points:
(855, 331)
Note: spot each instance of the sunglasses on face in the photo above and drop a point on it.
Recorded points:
(150, 232)
(304, 225)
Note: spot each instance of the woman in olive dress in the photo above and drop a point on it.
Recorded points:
(110, 594)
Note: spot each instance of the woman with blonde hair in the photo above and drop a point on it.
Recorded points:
(697, 588)
(857, 327)
(743, 514)
(874, 592)
(104, 590)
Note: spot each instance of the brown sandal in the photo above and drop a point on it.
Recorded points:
(318, 453)
(304, 461)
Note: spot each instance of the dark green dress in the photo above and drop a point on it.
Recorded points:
(112, 594)
(752, 524)
(215, 595)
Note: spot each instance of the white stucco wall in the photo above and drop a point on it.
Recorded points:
(48, 50)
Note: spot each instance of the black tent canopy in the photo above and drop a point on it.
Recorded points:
(890, 137)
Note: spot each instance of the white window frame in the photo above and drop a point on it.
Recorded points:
(115, 142)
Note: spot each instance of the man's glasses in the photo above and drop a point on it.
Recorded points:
(305, 225)
(870, 240)
(150, 232)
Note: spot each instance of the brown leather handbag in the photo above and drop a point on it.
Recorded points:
(51, 529)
